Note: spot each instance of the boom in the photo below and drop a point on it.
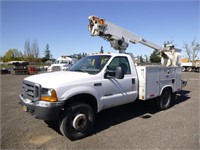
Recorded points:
(120, 38)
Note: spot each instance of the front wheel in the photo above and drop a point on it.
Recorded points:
(77, 121)
(165, 100)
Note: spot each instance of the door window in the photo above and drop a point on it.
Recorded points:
(122, 62)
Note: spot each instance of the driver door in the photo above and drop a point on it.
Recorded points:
(119, 91)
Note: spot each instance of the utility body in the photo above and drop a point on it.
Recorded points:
(95, 83)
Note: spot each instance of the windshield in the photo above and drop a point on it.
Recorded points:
(62, 62)
(91, 64)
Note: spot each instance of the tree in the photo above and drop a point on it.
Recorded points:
(154, 57)
(146, 59)
(12, 54)
(168, 42)
(101, 50)
(35, 49)
(140, 59)
(192, 50)
(27, 48)
(47, 53)
(31, 50)
(81, 55)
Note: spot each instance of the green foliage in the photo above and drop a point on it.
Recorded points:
(43, 59)
(146, 59)
(154, 57)
(101, 50)
(47, 53)
(13, 55)
(79, 56)
(140, 59)
(168, 42)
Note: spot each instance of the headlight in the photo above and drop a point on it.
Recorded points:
(48, 95)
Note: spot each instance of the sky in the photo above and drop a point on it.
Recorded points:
(63, 24)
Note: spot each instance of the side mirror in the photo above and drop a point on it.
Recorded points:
(119, 73)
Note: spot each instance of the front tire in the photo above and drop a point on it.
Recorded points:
(77, 121)
(165, 100)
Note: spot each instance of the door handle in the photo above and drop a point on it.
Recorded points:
(133, 81)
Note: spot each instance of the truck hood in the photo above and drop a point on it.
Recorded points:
(59, 65)
(56, 79)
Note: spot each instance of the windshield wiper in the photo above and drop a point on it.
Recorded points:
(78, 70)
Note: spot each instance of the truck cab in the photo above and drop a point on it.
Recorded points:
(93, 75)
(105, 68)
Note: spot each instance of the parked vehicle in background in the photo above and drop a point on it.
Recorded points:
(190, 66)
(21, 67)
(5, 71)
(62, 64)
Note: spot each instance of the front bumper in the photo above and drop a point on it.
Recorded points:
(41, 109)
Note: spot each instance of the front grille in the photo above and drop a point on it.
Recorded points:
(56, 68)
(30, 91)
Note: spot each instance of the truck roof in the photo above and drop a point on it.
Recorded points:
(110, 54)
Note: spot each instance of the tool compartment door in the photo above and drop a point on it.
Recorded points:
(148, 82)
(167, 77)
(152, 82)
(178, 81)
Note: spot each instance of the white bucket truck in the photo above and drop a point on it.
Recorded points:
(63, 63)
(101, 81)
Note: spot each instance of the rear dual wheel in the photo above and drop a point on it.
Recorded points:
(189, 69)
(183, 69)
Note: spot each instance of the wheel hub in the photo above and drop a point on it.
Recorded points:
(79, 122)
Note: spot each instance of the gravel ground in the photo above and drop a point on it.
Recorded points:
(131, 126)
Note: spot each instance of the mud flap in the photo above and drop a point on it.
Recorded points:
(183, 84)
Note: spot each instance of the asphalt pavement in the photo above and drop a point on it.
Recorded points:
(131, 126)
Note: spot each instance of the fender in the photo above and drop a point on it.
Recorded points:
(166, 86)
(80, 90)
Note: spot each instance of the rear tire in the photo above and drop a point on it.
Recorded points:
(165, 100)
(189, 69)
(198, 70)
(183, 69)
(77, 121)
